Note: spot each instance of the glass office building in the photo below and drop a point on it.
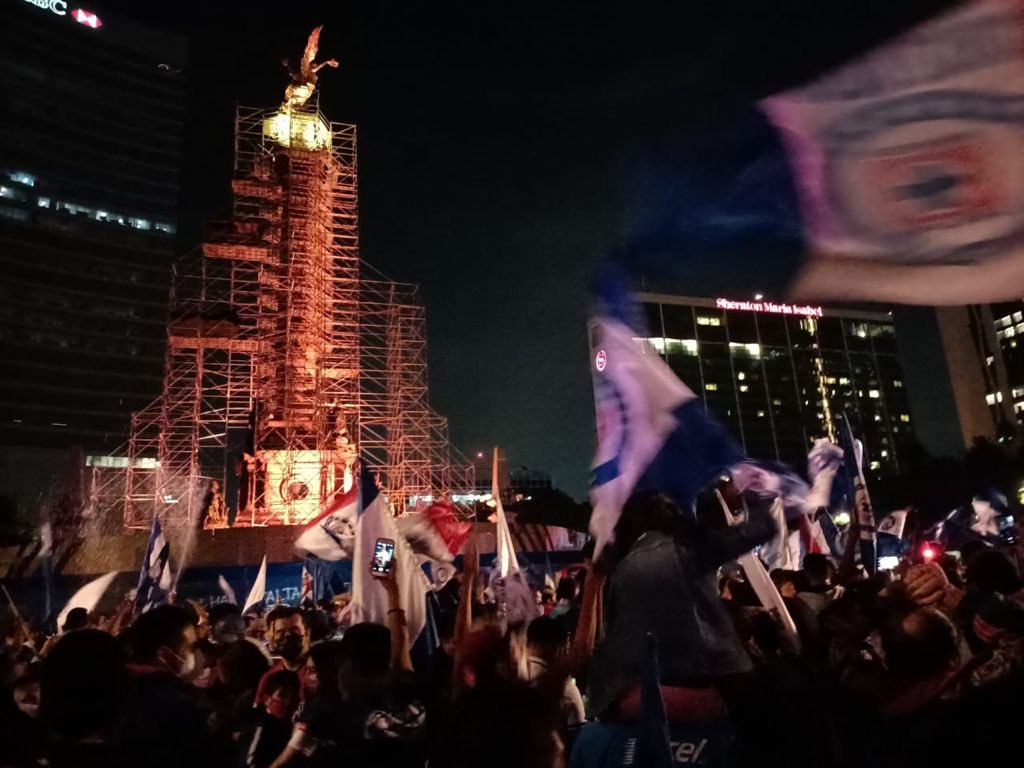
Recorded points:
(777, 376)
(91, 149)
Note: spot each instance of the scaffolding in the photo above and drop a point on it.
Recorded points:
(287, 357)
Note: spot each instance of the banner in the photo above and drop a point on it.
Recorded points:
(907, 164)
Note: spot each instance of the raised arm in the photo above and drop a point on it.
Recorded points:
(401, 659)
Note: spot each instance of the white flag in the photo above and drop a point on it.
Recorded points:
(506, 553)
(87, 597)
(259, 587)
(369, 598)
(894, 523)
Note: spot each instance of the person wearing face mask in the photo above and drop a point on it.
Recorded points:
(289, 641)
(162, 724)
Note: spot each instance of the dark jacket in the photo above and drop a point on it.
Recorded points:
(161, 724)
(667, 586)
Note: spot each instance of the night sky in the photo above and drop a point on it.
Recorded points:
(504, 152)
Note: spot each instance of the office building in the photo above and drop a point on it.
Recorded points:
(90, 157)
(778, 376)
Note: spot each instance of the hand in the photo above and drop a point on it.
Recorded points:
(390, 581)
(926, 584)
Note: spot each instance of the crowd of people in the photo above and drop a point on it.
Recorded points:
(921, 665)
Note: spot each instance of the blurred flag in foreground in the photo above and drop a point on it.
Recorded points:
(155, 574)
(87, 597)
(369, 598)
(653, 432)
(906, 162)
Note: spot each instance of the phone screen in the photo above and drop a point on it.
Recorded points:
(888, 562)
(383, 557)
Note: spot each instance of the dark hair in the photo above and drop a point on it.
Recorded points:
(327, 657)
(282, 679)
(547, 632)
(161, 627)
(367, 646)
(32, 674)
(566, 589)
(282, 612)
(221, 611)
(242, 666)
(816, 568)
(918, 643)
(992, 571)
(512, 724)
(82, 684)
(77, 618)
(318, 622)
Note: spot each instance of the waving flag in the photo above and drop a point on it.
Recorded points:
(226, 588)
(436, 532)
(258, 591)
(862, 514)
(652, 431)
(87, 597)
(155, 574)
(331, 536)
(903, 164)
(369, 598)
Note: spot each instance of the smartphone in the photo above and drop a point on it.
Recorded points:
(383, 557)
(888, 562)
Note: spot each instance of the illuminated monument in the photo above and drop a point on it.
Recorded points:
(287, 356)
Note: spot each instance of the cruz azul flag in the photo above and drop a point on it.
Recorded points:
(436, 532)
(908, 162)
(653, 432)
(155, 574)
(87, 597)
(369, 598)
(862, 514)
(331, 535)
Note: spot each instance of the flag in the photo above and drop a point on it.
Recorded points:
(331, 536)
(901, 163)
(653, 432)
(861, 513)
(436, 532)
(306, 586)
(155, 574)
(506, 550)
(259, 588)
(893, 523)
(369, 598)
(87, 597)
(229, 593)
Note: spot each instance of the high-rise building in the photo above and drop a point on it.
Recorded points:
(1008, 320)
(90, 158)
(777, 376)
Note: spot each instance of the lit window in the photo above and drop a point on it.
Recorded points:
(844, 380)
(897, 383)
(876, 465)
(710, 387)
(690, 346)
(741, 375)
(760, 414)
(705, 320)
(877, 417)
(170, 229)
(140, 223)
(905, 417)
(990, 399)
(22, 178)
(43, 202)
(7, 192)
(873, 394)
(884, 454)
(101, 215)
(1020, 328)
(776, 402)
(1018, 317)
(658, 343)
(1009, 332)
(744, 388)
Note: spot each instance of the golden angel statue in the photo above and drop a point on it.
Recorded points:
(304, 79)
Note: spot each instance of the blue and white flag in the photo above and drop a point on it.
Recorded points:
(258, 590)
(861, 512)
(653, 432)
(155, 574)
(369, 598)
(331, 536)
(905, 166)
